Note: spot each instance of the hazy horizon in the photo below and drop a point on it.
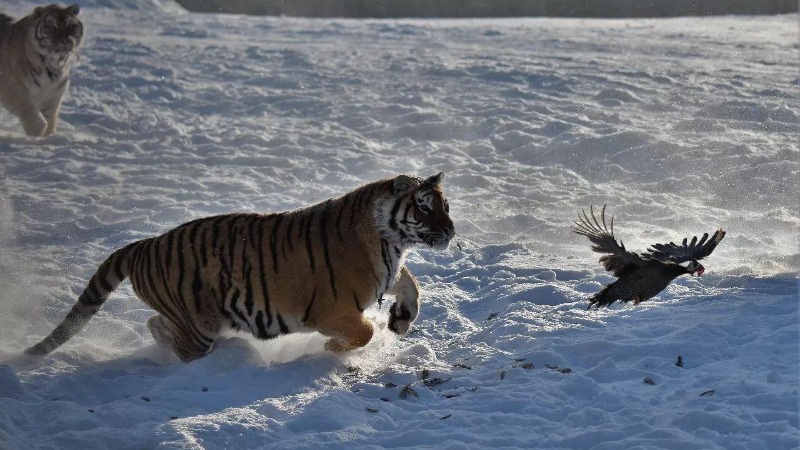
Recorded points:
(494, 8)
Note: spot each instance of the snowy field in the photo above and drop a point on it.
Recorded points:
(680, 125)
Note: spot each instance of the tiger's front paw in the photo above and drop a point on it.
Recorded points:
(399, 318)
(35, 125)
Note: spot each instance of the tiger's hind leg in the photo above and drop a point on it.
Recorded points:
(161, 330)
(347, 333)
(187, 341)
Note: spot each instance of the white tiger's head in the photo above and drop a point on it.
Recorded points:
(56, 29)
(418, 213)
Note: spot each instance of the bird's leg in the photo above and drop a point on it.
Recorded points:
(637, 299)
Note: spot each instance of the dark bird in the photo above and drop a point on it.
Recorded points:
(641, 276)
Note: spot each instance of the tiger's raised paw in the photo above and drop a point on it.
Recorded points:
(35, 126)
(399, 319)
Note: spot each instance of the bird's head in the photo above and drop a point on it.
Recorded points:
(695, 268)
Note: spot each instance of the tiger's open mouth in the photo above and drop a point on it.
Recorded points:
(63, 48)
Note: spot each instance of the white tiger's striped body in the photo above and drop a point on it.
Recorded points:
(35, 56)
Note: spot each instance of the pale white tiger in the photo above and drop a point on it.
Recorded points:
(35, 55)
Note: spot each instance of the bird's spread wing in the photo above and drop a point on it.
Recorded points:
(687, 251)
(618, 260)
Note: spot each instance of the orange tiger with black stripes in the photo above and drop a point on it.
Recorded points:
(311, 269)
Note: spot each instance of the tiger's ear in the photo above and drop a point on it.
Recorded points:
(38, 11)
(435, 180)
(74, 9)
(403, 184)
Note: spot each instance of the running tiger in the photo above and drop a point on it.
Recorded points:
(316, 268)
(35, 54)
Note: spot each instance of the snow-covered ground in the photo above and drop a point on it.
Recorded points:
(679, 125)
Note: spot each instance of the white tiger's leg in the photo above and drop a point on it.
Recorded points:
(51, 109)
(51, 115)
(161, 330)
(33, 121)
(406, 307)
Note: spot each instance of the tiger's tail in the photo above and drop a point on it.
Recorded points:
(109, 275)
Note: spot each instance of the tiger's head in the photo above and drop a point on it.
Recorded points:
(57, 29)
(418, 213)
